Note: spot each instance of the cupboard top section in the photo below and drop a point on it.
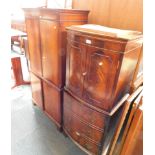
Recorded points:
(106, 32)
(56, 14)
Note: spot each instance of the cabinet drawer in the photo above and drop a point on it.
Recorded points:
(87, 144)
(45, 15)
(87, 114)
(74, 123)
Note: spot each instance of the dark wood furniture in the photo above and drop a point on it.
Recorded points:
(47, 53)
(136, 83)
(101, 63)
(17, 72)
(126, 117)
(133, 143)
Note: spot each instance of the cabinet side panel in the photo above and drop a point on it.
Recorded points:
(128, 66)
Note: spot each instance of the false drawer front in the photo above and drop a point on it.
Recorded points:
(107, 44)
(46, 15)
(89, 115)
(86, 144)
(79, 137)
(72, 123)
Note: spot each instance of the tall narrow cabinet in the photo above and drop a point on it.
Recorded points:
(101, 62)
(47, 47)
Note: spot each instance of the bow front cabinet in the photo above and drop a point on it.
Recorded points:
(101, 63)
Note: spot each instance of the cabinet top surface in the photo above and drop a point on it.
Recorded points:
(103, 31)
(55, 10)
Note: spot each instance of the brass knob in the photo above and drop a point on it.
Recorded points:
(84, 73)
(100, 63)
(77, 133)
(44, 58)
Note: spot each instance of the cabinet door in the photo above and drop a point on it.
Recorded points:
(100, 76)
(75, 67)
(50, 51)
(36, 87)
(32, 26)
(52, 102)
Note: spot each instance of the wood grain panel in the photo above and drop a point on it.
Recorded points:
(52, 102)
(49, 48)
(36, 87)
(34, 45)
(123, 14)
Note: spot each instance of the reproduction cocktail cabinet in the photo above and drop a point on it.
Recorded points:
(47, 53)
(100, 66)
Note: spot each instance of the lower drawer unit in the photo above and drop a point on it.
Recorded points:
(73, 123)
(53, 102)
(95, 118)
(86, 144)
(92, 136)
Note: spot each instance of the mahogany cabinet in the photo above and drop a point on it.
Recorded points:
(47, 39)
(84, 125)
(100, 66)
(91, 129)
(101, 63)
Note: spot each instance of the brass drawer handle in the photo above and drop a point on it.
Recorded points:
(100, 63)
(84, 74)
(77, 133)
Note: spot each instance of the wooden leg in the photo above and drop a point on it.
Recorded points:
(59, 129)
(17, 71)
(64, 134)
(34, 103)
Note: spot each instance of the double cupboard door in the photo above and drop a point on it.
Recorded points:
(49, 37)
(91, 73)
(45, 54)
